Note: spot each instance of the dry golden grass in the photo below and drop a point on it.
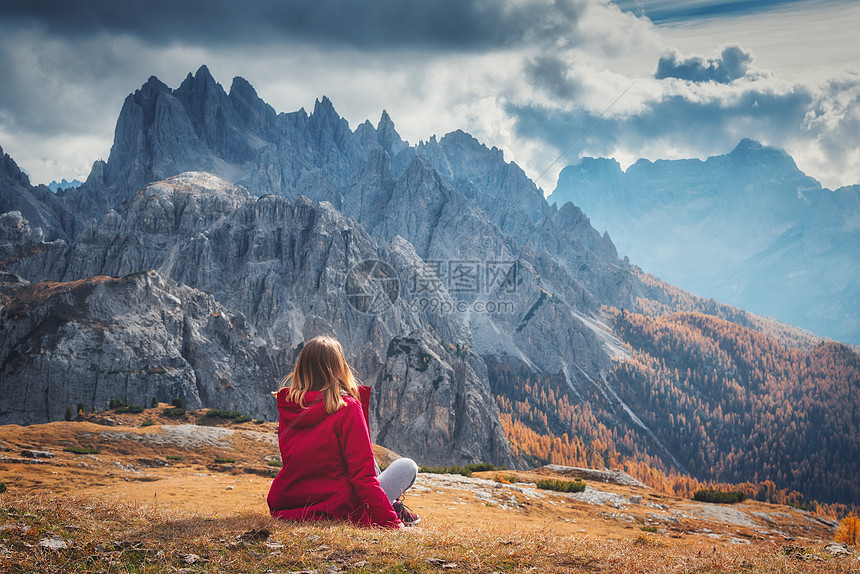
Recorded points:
(192, 515)
(104, 535)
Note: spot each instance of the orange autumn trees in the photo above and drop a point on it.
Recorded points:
(734, 405)
(849, 530)
(718, 403)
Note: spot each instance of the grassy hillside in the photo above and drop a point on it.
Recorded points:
(151, 492)
(88, 535)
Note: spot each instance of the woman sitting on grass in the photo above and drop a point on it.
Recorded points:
(328, 467)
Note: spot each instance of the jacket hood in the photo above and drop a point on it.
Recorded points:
(295, 416)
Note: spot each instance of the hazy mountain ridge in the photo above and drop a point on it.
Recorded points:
(63, 184)
(748, 228)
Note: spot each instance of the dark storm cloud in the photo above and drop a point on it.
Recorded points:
(677, 122)
(732, 64)
(44, 80)
(453, 24)
(551, 75)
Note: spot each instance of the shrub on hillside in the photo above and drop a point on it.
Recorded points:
(481, 466)
(446, 470)
(561, 485)
(457, 469)
(121, 407)
(234, 416)
(81, 450)
(719, 496)
(130, 409)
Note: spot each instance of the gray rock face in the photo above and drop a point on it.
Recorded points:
(502, 189)
(283, 266)
(132, 339)
(425, 385)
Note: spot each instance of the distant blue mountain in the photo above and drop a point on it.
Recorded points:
(55, 185)
(747, 228)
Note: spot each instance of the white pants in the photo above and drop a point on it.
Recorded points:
(397, 477)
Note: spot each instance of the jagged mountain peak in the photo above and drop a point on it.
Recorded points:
(153, 84)
(601, 164)
(243, 87)
(200, 87)
(752, 154)
(459, 138)
(384, 121)
(323, 107)
(9, 169)
(747, 147)
(202, 79)
(387, 135)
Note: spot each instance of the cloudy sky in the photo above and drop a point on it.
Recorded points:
(673, 78)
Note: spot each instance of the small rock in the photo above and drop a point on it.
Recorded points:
(53, 543)
(230, 487)
(635, 500)
(837, 548)
(449, 566)
(190, 559)
(37, 454)
(255, 535)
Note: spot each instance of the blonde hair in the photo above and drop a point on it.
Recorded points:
(321, 366)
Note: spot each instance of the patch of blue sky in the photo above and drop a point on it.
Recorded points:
(678, 11)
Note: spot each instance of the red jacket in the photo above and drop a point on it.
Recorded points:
(328, 470)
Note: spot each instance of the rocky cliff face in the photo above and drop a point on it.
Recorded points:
(279, 266)
(134, 339)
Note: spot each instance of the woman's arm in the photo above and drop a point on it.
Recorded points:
(358, 456)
